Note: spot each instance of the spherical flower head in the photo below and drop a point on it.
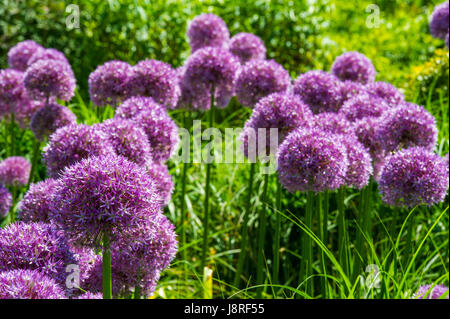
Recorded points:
(155, 79)
(363, 105)
(439, 20)
(334, 123)
(19, 54)
(320, 90)
(102, 194)
(14, 171)
(35, 246)
(28, 284)
(12, 91)
(72, 143)
(109, 83)
(161, 130)
(138, 257)
(406, 126)
(247, 46)
(135, 105)
(257, 79)
(282, 111)
(163, 180)
(47, 54)
(354, 66)
(366, 131)
(412, 177)
(430, 292)
(46, 78)
(387, 92)
(90, 295)
(360, 163)
(189, 99)
(127, 139)
(5, 201)
(207, 30)
(49, 118)
(34, 207)
(211, 68)
(25, 110)
(351, 89)
(312, 160)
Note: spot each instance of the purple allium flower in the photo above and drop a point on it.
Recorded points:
(209, 68)
(283, 111)
(207, 30)
(363, 105)
(35, 246)
(360, 163)
(25, 110)
(87, 260)
(127, 139)
(334, 123)
(354, 66)
(135, 105)
(14, 171)
(188, 98)
(90, 295)
(350, 89)
(102, 194)
(49, 118)
(439, 20)
(312, 160)
(5, 201)
(19, 54)
(412, 177)
(138, 257)
(72, 143)
(34, 207)
(431, 293)
(366, 131)
(320, 90)
(47, 78)
(247, 46)
(387, 92)
(163, 180)
(157, 80)
(257, 79)
(161, 130)
(406, 126)
(47, 54)
(109, 83)
(28, 284)
(12, 91)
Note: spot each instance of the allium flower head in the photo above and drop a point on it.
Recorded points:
(102, 194)
(161, 130)
(412, 177)
(312, 160)
(127, 139)
(47, 54)
(134, 105)
(406, 126)
(426, 292)
(34, 207)
(188, 98)
(209, 68)
(257, 79)
(163, 180)
(35, 246)
(360, 163)
(12, 91)
(207, 30)
(439, 20)
(25, 110)
(320, 90)
(47, 78)
(334, 123)
(5, 201)
(157, 80)
(14, 171)
(282, 111)
(19, 54)
(363, 105)
(72, 143)
(351, 89)
(366, 131)
(49, 118)
(354, 66)
(28, 284)
(247, 46)
(109, 83)
(387, 92)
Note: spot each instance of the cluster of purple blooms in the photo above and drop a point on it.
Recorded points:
(439, 23)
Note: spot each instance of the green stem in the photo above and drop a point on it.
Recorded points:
(342, 231)
(409, 240)
(244, 236)
(308, 242)
(261, 238)
(183, 206)
(36, 148)
(323, 222)
(106, 267)
(12, 211)
(276, 258)
(12, 132)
